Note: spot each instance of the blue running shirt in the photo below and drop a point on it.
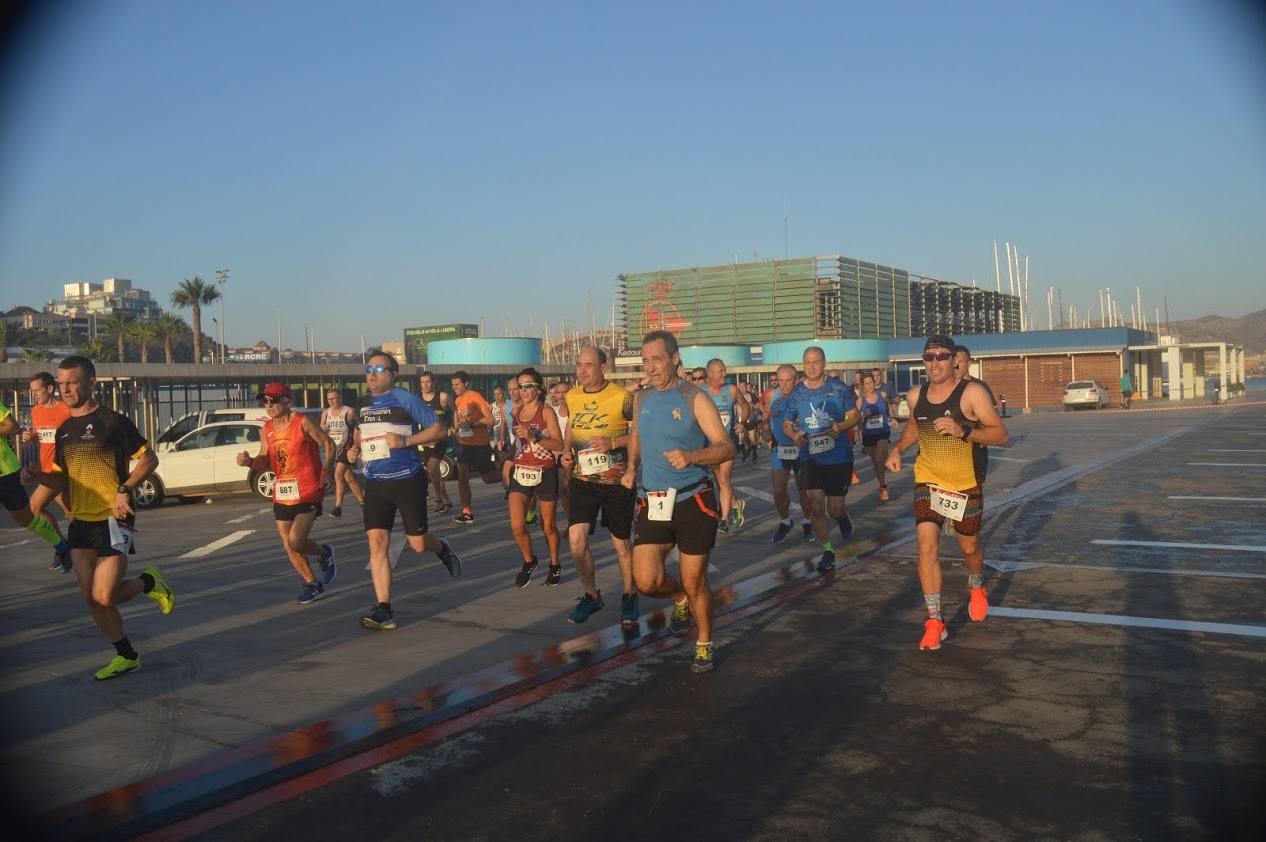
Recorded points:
(666, 421)
(815, 410)
(400, 412)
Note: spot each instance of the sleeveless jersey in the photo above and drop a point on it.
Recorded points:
(946, 461)
(437, 406)
(46, 420)
(528, 453)
(878, 409)
(604, 413)
(725, 405)
(338, 424)
(294, 456)
(9, 461)
(666, 421)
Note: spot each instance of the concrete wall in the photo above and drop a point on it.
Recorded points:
(452, 353)
(693, 356)
(836, 350)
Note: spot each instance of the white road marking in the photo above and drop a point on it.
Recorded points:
(218, 545)
(1122, 620)
(765, 495)
(1229, 499)
(1223, 450)
(17, 543)
(1230, 464)
(1180, 545)
(993, 456)
(243, 518)
(1013, 566)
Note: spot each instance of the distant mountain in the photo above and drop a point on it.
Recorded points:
(1249, 331)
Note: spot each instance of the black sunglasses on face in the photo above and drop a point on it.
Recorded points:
(271, 401)
(378, 369)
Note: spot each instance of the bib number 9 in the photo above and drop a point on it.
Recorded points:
(375, 448)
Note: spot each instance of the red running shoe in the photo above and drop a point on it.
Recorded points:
(933, 633)
(978, 607)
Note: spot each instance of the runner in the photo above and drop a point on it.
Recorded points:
(47, 414)
(291, 446)
(784, 457)
(962, 371)
(15, 500)
(500, 408)
(337, 421)
(597, 456)
(819, 412)
(1127, 390)
(94, 447)
(676, 433)
(558, 402)
(947, 485)
(730, 407)
(432, 454)
(393, 423)
(876, 421)
(473, 420)
(886, 389)
(751, 420)
(535, 475)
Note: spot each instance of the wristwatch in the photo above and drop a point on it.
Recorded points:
(966, 436)
(123, 489)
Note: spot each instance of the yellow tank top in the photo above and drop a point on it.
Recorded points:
(602, 413)
(944, 461)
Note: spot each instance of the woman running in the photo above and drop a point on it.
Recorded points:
(534, 474)
(876, 426)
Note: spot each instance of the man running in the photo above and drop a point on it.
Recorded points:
(876, 421)
(751, 420)
(534, 475)
(337, 422)
(819, 414)
(94, 448)
(597, 456)
(676, 433)
(14, 498)
(432, 454)
(291, 446)
(473, 423)
(500, 407)
(962, 371)
(731, 408)
(47, 414)
(949, 416)
(886, 389)
(393, 423)
(784, 456)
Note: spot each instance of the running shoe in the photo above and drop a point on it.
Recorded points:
(336, 512)
(311, 592)
(448, 506)
(61, 557)
(118, 665)
(739, 505)
(530, 518)
(703, 658)
(780, 534)
(933, 633)
(855, 479)
(883, 492)
(525, 573)
(328, 568)
(555, 576)
(807, 528)
(381, 618)
(679, 622)
(585, 608)
(827, 562)
(161, 592)
(978, 605)
(723, 525)
(846, 526)
(464, 518)
(628, 609)
(452, 561)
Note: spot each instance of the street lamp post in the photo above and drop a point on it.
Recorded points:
(217, 330)
(221, 278)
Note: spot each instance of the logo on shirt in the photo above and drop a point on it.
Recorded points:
(88, 434)
(677, 413)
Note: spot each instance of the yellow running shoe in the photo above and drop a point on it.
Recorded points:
(162, 592)
(703, 658)
(118, 665)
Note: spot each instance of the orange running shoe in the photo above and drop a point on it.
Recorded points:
(855, 480)
(883, 492)
(978, 607)
(933, 633)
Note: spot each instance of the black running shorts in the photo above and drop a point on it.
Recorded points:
(12, 494)
(611, 502)
(693, 527)
(547, 490)
(385, 497)
(94, 535)
(289, 511)
(833, 480)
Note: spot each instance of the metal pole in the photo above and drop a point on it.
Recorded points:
(221, 278)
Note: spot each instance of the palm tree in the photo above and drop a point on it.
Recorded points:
(193, 293)
(97, 351)
(4, 341)
(144, 332)
(170, 328)
(36, 355)
(119, 324)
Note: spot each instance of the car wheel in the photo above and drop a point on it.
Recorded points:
(262, 483)
(448, 468)
(148, 494)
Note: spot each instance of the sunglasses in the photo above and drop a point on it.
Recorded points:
(696, 377)
(378, 369)
(270, 401)
(528, 386)
(940, 356)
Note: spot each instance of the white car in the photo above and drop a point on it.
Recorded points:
(204, 462)
(1084, 393)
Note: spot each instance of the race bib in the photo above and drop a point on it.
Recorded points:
(338, 436)
(593, 462)
(47, 435)
(875, 422)
(286, 490)
(659, 504)
(725, 420)
(788, 452)
(528, 477)
(948, 504)
(821, 444)
(121, 536)
(465, 431)
(374, 448)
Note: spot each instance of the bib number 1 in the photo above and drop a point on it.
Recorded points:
(659, 504)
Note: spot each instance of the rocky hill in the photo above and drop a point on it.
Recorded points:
(1249, 331)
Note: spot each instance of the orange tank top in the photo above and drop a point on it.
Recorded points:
(46, 420)
(296, 460)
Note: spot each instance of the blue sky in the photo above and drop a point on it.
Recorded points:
(373, 166)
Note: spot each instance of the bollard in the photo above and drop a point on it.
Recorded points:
(1002, 399)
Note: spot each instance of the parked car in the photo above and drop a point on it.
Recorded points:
(204, 462)
(191, 421)
(1084, 393)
